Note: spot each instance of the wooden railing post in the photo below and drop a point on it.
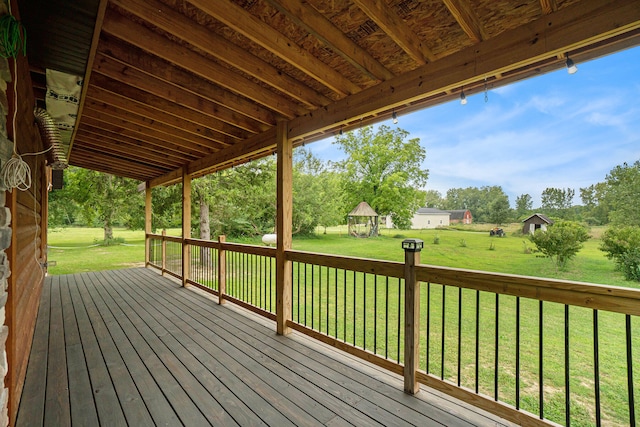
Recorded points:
(284, 216)
(186, 225)
(147, 224)
(164, 251)
(222, 270)
(412, 249)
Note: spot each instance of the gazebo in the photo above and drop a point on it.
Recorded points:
(363, 221)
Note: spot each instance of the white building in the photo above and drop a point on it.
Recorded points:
(430, 218)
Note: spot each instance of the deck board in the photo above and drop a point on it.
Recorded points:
(130, 347)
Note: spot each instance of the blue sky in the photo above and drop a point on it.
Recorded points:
(555, 130)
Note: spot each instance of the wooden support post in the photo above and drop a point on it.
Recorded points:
(222, 270)
(147, 224)
(283, 228)
(412, 249)
(186, 225)
(164, 251)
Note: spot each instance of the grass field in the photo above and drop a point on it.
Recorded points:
(472, 248)
(74, 251)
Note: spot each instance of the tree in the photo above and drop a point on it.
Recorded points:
(499, 210)
(433, 199)
(622, 244)
(524, 204)
(595, 210)
(477, 200)
(383, 169)
(561, 241)
(317, 192)
(621, 196)
(558, 201)
(104, 198)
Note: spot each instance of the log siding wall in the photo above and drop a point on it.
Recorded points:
(22, 233)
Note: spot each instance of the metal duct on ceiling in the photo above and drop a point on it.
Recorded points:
(57, 156)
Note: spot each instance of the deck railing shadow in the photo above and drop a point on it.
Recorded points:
(534, 351)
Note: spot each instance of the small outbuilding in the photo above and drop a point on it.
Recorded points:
(460, 216)
(536, 222)
(430, 218)
(363, 221)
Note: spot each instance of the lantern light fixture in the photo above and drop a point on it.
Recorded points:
(412, 245)
(571, 66)
(463, 98)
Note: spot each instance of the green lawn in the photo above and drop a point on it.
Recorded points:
(74, 250)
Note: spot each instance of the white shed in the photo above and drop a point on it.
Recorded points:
(430, 218)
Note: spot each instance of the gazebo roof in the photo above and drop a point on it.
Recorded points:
(363, 209)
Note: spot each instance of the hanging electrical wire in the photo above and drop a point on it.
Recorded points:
(13, 37)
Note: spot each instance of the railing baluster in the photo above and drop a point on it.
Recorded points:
(298, 287)
(428, 327)
(517, 352)
(596, 368)
(313, 293)
(567, 401)
(497, 347)
(477, 339)
(541, 358)
(459, 333)
(344, 288)
(364, 311)
(632, 409)
(444, 294)
(386, 319)
(328, 289)
(319, 298)
(399, 321)
(375, 314)
(355, 293)
(335, 317)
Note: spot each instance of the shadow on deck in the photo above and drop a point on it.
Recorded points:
(131, 347)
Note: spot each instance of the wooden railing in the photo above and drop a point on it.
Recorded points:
(533, 351)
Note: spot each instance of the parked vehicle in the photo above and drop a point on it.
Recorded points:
(497, 232)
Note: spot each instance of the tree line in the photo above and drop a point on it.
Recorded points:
(381, 167)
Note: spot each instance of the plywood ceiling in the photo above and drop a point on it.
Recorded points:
(201, 84)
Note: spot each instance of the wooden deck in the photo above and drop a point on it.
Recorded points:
(131, 347)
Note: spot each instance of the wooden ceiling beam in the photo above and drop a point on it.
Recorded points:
(160, 46)
(120, 102)
(135, 94)
(196, 35)
(467, 19)
(112, 136)
(99, 144)
(158, 131)
(142, 61)
(234, 154)
(275, 42)
(148, 83)
(151, 126)
(116, 165)
(396, 29)
(548, 6)
(151, 145)
(315, 23)
(573, 27)
(210, 127)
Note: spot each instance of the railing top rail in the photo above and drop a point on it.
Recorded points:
(176, 239)
(234, 247)
(603, 297)
(203, 243)
(363, 265)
